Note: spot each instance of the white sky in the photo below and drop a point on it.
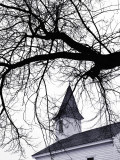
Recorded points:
(9, 156)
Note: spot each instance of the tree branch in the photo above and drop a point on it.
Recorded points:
(102, 61)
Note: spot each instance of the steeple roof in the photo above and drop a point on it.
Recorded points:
(68, 107)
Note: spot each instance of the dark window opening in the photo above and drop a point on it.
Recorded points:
(90, 158)
(60, 126)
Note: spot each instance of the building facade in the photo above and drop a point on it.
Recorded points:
(73, 144)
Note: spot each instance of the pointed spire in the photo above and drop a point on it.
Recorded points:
(68, 107)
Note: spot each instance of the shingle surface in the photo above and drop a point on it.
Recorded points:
(86, 137)
(68, 107)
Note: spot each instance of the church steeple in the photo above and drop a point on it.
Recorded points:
(69, 107)
(68, 119)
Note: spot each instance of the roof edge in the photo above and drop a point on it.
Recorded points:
(75, 147)
(91, 142)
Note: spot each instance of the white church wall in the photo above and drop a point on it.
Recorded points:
(104, 151)
(70, 126)
(116, 141)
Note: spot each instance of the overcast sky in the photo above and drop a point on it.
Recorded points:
(87, 114)
(9, 156)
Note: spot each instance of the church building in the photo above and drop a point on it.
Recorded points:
(72, 144)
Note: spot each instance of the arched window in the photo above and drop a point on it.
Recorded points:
(60, 126)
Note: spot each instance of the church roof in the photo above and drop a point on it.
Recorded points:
(68, 107)
(86, 137)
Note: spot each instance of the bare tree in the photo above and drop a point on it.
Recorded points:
(77, 39)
